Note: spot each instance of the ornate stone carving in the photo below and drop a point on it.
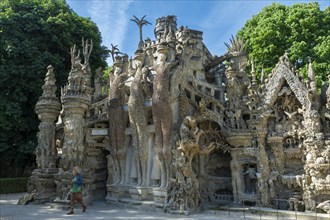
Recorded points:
(186, 127)
(138, 117)
(116, 119)
(162, 115)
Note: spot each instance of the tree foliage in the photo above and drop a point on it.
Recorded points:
(34, 34)
(302, 29)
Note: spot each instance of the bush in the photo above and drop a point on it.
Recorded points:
(13, 185)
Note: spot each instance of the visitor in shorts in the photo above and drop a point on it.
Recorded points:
(76, 190)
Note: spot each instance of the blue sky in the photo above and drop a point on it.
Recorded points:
(218, 19)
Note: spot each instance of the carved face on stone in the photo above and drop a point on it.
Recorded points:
(138, 63)
(162, 58)
(118, 70)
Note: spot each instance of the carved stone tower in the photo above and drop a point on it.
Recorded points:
(76, 99)
(48, 108)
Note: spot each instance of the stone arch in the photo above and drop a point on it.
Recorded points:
(213, 175)
(281, 75)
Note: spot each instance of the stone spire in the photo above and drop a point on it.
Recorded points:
(253, 73)
(41, 183)
(311, 74)
(48, 108)
(262, 78)
(328, 94)
(49, 87)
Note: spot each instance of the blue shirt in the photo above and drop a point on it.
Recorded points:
(76, 183)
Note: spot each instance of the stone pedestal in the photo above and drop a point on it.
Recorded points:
(141, 193)
(42, 184)
(117, 192)
(159, 195)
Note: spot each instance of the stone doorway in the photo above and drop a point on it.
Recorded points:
(216, 183)
(100, 176)
(250, 178)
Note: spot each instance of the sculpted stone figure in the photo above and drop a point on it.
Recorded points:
(188, 185)
(250, 180)
(188, 129)
(116, 118)
(237, 175)
(138, 119)
(162, 115)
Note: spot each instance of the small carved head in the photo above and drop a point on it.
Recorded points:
(190, 121)
(139, 59)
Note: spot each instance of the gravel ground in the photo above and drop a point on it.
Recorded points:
(100, 210)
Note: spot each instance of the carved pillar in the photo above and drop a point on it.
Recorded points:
(76, 100)
(48, 108)
(74, 122)
(236, 175)
(263, 168)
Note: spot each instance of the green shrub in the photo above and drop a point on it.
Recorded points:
(13, 185)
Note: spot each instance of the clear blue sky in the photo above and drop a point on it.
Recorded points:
(218, 19)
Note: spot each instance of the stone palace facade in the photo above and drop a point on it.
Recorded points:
(179, 127)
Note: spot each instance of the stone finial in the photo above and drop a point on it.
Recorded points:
(253, 73)
(262, 78)
(285, 58)
(50, 76)
(49, 87)
(328, 94)
(170, 37)
(311, 74)
(87, 50)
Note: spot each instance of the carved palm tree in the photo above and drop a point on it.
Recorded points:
(236, 45)
(140, 23)
(114, 52)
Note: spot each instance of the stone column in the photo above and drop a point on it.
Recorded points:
(48, 107)
(76, 101)
(264, 170)
(236, 175)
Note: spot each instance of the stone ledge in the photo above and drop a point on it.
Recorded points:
(146, 205)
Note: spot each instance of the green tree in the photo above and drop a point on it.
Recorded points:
(34, 34)
(302, 29)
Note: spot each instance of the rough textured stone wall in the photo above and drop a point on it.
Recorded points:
(182, 127)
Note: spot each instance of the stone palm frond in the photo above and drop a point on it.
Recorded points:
(87, 49)
(114, 51)
(140, 22)
(236, 45)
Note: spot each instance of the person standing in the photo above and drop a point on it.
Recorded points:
(76, 190)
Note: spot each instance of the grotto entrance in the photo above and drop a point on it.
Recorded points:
(214, 173)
